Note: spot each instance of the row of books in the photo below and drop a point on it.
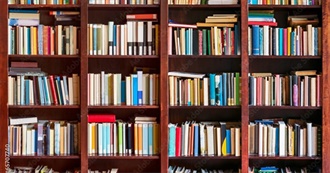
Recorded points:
(44, 2)
(133, 38)
(277, 138)
(219, 35)
(43, 90)
(267, 89)
(201, 2)
(193, 89)
(130, 2)
(113, 170)
(261, 17)
(29, 136)
(204, 139)
(43, 40)
(109, 89)
(265, 40)
(273, 169)
(106, 137)
(285, 2)
(182, 169)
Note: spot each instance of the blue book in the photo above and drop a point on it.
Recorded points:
(134, 88)
(171, 140)
(40, 39)
(221, 90)
(140, 87)
(228, 140)
(255, 40)
(186, 35)
(150, 139)
(94, 39)
(123, 91)
(27, 92)
(66, 91)
(196, 140)
(29, 2)
(145, 139)
(261, 41)
(29, 41)
(22, 11)
(46, 90)
(315, 41)
(276, 141)
(41, 90)
(108, 138)
(212, 89)
(224, 87)
(105, 139)
(293, 50)
(280, 41)
(35, 141)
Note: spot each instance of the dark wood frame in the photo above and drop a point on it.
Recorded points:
(164, 68)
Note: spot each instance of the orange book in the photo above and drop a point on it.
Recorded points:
(45, 40)
(136, 139)
(140, 139)
(141, 16)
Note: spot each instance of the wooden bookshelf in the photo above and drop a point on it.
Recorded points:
(163, 63)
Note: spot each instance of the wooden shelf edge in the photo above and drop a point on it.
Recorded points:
(205, 107)
(124, 107)
(284, 6)
(206, 157)
(27, 6)
(123, 56)
(43, 56)
(46, 157)
(287, 107)
(285, 158)
(43, 106)
(205, 56)
(98, 6)
(205, 6)
(116, 157)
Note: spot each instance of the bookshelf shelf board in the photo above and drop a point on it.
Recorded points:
(45, 157)
(206, 157)
(283, 57)
(284, 6)
(205, 6)
(124, 56)
(205, 107)
(25, 6)
(204, 56)
(132, 157)
(121, 6)
(287, 107)
(284, 158)
(124, 107)
(27, 57)
(43, 106)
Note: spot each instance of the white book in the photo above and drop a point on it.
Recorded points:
(115, 146)
(89, 137)
(102, 86)
(140, 36)
(59, 39)
(237, 141)
(282, 135)
(205, 91)
(149, 36)
(313, 91)
(122, 39)
(265, 140)
(63, 94)
(309, 140)
(218, 147)
(260, 144)
(110, 37)
(210, 140)
(31, 91)
(28, 142)
(128, 90)
(266, 40)
(130, 36)
(306, 90)
(70, 82)
(106, 89)
(24, 139)
(202, 139)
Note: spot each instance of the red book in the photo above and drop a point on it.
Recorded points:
(178, 141)
(141, 16)
(52, 89)
(101, 118)
(262, 23)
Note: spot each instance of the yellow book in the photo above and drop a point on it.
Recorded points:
(289, 41)
(156, 138)
(140, 139)
(93, 138)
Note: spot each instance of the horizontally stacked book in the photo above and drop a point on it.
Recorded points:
(129, 2)
(106, 136)
(204, 139)
(219, 35)
(287, 169)
(274, 137)
(44, 2)
(28, 85)
(302, 37)
(192, 89)
(136, 89)
(139, 36)
(29, 136)
(28, 37)
(202, 2)
(285, 2)
(302, 88)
